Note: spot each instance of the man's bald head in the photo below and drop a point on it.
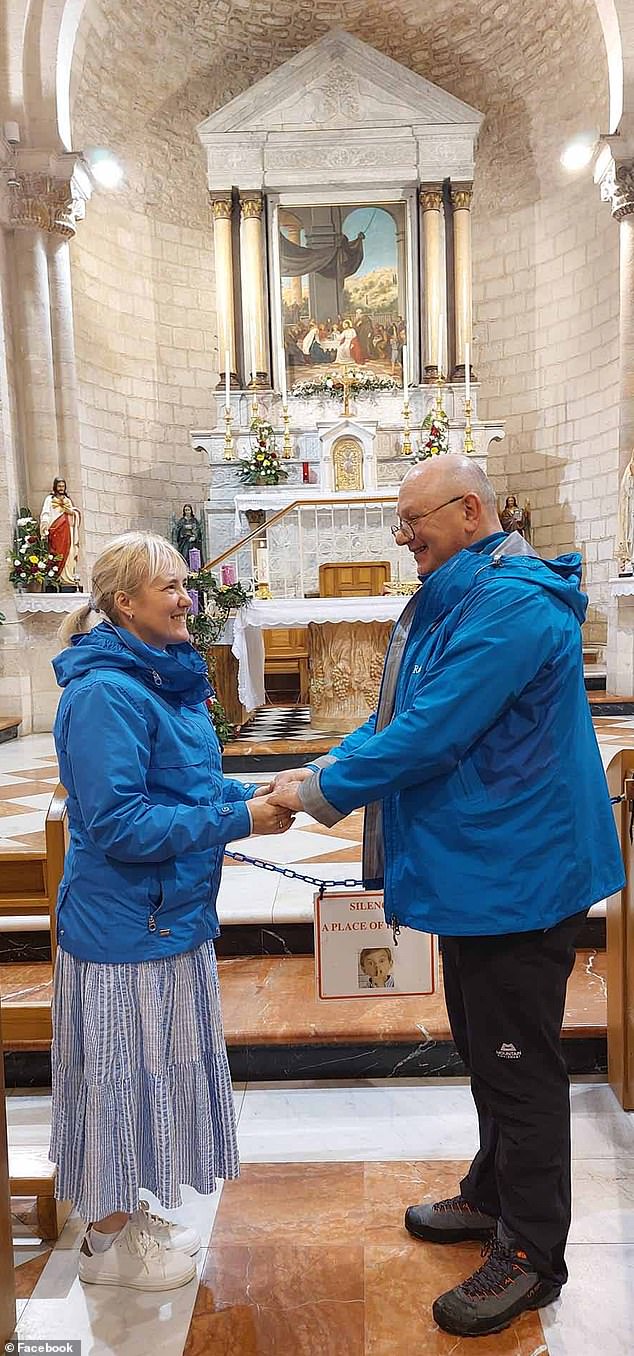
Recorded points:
(450, 505)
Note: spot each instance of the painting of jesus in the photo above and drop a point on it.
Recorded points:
(344, 288)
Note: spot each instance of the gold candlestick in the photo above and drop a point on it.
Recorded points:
(406, 445)
(229, 445)
(287, 446)
(469, 445)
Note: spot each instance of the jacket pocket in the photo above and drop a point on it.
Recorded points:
(472, 788)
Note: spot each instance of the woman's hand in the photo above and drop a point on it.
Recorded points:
(267, 817)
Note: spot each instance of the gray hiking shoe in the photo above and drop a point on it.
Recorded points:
(450, 1221)
(503, 1287)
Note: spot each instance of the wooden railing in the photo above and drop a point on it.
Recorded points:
(289, 508)
(620, 943)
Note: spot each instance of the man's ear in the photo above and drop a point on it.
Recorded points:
(472, 509)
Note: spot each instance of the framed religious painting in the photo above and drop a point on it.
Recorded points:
(341, 274)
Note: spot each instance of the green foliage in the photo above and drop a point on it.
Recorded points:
(216, 602)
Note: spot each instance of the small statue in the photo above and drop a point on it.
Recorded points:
(625, 538)
(187, 536)
(515, 519)
(59, 525)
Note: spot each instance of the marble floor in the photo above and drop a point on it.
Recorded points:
(306, 1255)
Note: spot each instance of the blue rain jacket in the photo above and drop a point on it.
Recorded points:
(148, 807)
(495, 808)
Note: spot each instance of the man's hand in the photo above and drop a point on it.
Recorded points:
(262, 790)
(287, 797)
(267, 817)
(291, 774)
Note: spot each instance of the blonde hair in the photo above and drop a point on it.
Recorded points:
(124, 566)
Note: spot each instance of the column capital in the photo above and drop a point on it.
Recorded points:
(617, 187)
(430, 197)
(44, 191)
(251, 205)
(221, 206)
(461, 197)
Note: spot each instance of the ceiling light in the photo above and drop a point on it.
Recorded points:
(578, 153)
(105, 170)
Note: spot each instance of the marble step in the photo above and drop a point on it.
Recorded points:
(276, 1028)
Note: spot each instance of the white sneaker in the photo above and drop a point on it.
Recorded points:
(137, 1260)
(175, 1237)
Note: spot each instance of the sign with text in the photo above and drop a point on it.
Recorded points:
(356, 955)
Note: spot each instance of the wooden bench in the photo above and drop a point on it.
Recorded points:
(26, 1022)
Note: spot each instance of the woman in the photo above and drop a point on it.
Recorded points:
(59, 525)
(141, 1086)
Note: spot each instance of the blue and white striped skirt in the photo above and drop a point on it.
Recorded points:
(142, 1093)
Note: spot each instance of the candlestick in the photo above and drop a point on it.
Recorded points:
(287, 445)
(227, 380)
(467, 373)
(469, 445)
(406, 445)
(228, 446)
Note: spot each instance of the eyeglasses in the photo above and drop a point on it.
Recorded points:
(403, 527)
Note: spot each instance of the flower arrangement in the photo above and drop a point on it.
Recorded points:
(206, 627)
(31, 561)
(263, 466)
(436, 429)
(361, 381)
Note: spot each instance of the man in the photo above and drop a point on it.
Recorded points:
(489, 822)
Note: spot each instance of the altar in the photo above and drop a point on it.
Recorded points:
(346, 661)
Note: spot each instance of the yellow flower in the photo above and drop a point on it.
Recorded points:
(33, 560)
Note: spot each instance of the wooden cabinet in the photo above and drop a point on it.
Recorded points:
(286, 651)
(353, 578)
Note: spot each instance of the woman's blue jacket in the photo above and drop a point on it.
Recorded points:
(149, 810)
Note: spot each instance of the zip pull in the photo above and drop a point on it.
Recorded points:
(151, 923)
(396, 931)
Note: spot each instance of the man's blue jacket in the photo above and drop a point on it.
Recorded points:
(495, 809)
(149, 810)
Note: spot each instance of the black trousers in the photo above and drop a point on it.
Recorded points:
(505, 1000)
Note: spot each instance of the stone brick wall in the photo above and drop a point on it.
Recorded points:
(145, 333)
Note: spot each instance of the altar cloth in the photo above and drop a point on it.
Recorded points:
(250, 621)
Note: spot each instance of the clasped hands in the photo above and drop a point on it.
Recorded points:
(282, 795)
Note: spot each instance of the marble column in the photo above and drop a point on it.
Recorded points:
(617, 188)
(223, 252)
(294, 232)
(42, 211)
(64, 362)
(253, 288)
(35, 374)
(461, 204)
(433, 302)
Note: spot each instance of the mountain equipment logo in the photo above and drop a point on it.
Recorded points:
(508, 1051)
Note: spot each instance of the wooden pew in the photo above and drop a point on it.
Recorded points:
(620, 944)
(7, 1277)
(28, 1026)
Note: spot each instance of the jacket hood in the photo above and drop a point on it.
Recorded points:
(508, 556)
(177, 671)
